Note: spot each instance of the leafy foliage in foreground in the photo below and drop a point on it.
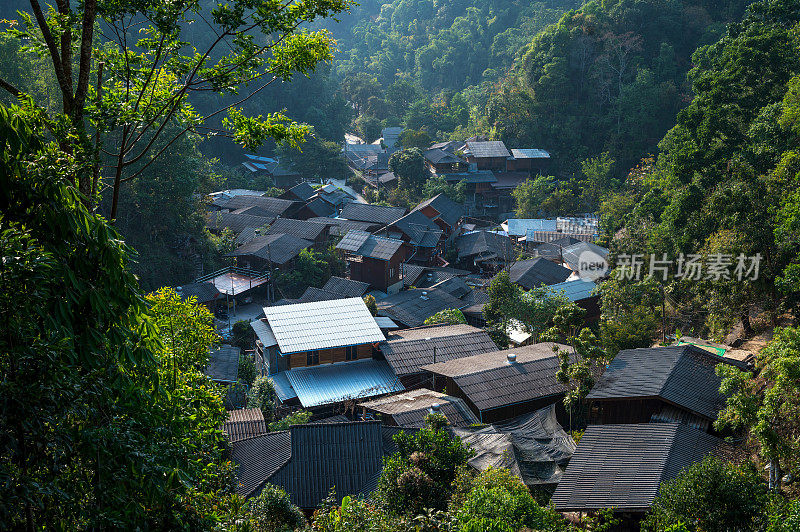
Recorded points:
(108, 379)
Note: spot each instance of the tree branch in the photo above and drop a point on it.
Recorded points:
(10, 88)
(66, 92)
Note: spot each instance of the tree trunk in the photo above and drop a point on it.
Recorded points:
(746, 326)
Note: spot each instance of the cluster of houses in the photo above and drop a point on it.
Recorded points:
(489, 170)
(367, 377)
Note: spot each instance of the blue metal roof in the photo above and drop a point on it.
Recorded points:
(574, 290)
(332, 383)
(521, 226)
(283, 389)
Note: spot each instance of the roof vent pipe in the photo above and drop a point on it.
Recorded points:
(512, 358)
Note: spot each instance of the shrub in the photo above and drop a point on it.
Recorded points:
(262, 395)
(272, 511)
(295, 418)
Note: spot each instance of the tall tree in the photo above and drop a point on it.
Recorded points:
(126, 92)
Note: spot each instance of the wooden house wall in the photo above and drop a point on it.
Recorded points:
(327, 356)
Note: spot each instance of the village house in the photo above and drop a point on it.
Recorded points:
(582, 293)
(675, 383)
(623, 466)
(236, 223)
(375, 260)
(530, 160)
(500, 385)
(409, 409)
(408, 350)
(300, 192)
(440, 161)
(445, 213)
(315, 232)
(533, 273)
(315, 207)
(269, 252)
(322, 353)
(282, 176)
(410, 308)
(422, 233)
(257, 205)
(487, 155)
(223, 365)
(308, 461)
(484, 251)
(381, 215)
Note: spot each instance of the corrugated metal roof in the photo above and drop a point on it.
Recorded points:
(346, 287)
(682, 375)
(236, 222)
(529, 153)
(345, 457)
(385, 323)
(366, 212)
(223, 364)
(573, 253)
(263, 333)
(623, 466)
(367, 245)
(275, 248)
(283, 388)
(532, 273)
(409, 409)
(299, 228)
(488, 148)
(245, 423)
(333, 383)
(259, 458)
(449, 211)
(322, 325)
(574, 290)
(521, 226)
(413, 307)
(419, 229)
(407, 351)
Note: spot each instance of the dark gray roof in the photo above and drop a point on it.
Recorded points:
(413, 307)
(682, 375)
(365, 212)
(572, 253)
(449, 211)
(408, 350)
(340, 226)
(488, 148)
(439, 156)
(278, 249)
(204, 291)
(449, 146)
(426, 276)
(531, 273)
(299, 228)
(419, 229)
(274, 206)
(481, 176)
(346, 287)
(409, 409)
(302, 191)
(485, 245)
(317, 294)
(388, 177)
(347, 456)
(622, 466)
(490, 381)
(367, 245)
(244, 423)
(320, 207)
(237, 223)
(258, 458)
(565, 241)
(455, 286)
(223, 364)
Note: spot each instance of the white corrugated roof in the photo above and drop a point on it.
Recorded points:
(322, 325)
(263, 333)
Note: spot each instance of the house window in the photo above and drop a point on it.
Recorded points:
(351, 353)
(391, 272)
(312, 358)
